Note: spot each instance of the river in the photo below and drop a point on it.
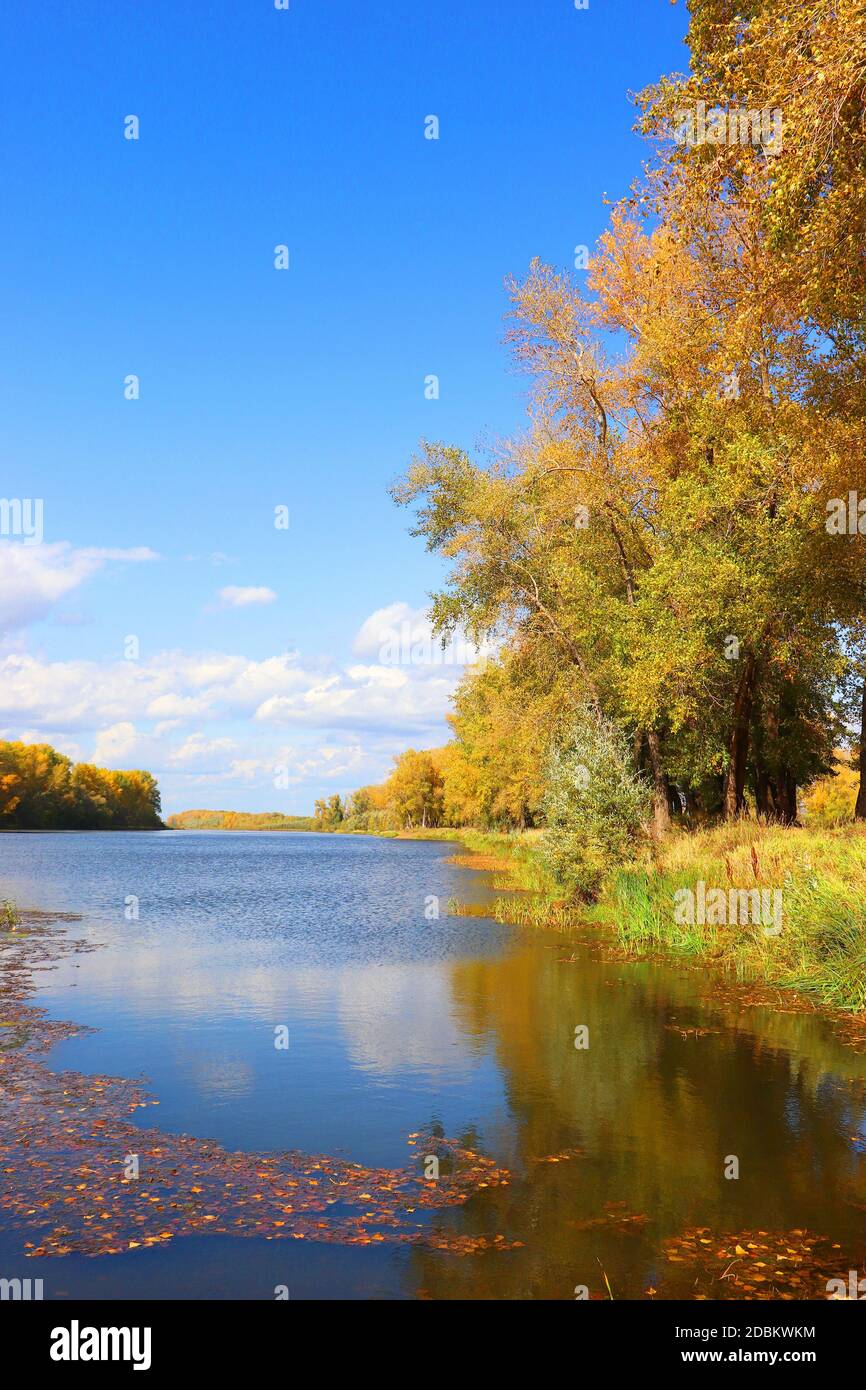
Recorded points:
(282, 991)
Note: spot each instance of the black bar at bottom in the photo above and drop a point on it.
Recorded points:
(58, 1338)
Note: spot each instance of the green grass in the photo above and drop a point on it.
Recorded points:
(821, 872)
(518, 869)
(822, 876)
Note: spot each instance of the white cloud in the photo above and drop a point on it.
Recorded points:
(176, 708)
(35, 578)
(116, 745)
(197, 750)
(60, 741)
(294, 765)
(219, 719)
(381, 625)
(238, 596)
(365, 696)
(399, 635)
(170, 685)
(179, 686)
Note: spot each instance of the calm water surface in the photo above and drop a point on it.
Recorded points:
(397, 1022)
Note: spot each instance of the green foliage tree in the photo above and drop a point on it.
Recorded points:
(328, 814)
(595, 804)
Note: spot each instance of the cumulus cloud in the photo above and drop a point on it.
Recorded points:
(124, 745)
(176, 708)
(399, 635)
(376, 630)
(174, 687)
(217, 718)
(170, 685)
(364, 696)
(197, 749)
(117, 745)
(62, 742)
(289, 765)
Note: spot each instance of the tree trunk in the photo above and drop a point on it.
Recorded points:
(785, 793)
(762, 790)
(661, 809)
(860, 808)
(693, 802)
(738, 751)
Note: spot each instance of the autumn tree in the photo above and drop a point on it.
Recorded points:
(781, 226)
(415, 790)
(505, 715)
(658, 543)
(328, 813)
(41, 788)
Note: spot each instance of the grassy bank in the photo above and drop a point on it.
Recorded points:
(518, 870)
(820, 875)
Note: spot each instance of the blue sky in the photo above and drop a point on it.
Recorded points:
(262, 387)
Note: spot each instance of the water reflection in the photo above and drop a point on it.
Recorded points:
(397, 1023)
(657, 1111)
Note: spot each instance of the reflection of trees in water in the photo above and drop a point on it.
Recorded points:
(656, 1114)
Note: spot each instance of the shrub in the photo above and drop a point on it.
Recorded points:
(595, 805)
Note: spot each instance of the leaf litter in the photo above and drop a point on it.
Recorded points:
(66, 1139)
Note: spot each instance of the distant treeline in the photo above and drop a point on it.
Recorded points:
(239, 820)
(41, 789)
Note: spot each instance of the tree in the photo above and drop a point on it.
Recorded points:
(657, 543)
(595, 804)
(505, 714)
(415, 790)
(328, 814)
(42, 789)
(789, 221)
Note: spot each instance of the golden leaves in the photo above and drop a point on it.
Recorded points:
(189, 1185)
(759, 1264)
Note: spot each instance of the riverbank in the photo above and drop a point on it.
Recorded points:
(810, 932)
(784, 906)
